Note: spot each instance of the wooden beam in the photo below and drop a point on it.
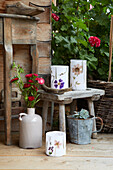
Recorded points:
(110, 48)
(8, 58)
(34, 54)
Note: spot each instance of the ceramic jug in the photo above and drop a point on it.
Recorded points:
(30, 129)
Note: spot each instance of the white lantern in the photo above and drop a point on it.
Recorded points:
(59, 77)
(78, 74)
(55, 143)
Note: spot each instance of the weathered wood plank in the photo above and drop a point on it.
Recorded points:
(45, 16)
(3, 3)
(8, 58)
(44, 65)
(22, 9)
(44, 49)
(23, 31)
(39, 2)
(1, 31)
(34, 54)
(1, 66)
(43, 32)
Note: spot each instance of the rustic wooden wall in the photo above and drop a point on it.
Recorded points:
(22, 52)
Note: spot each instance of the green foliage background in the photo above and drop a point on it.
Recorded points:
(77, 23)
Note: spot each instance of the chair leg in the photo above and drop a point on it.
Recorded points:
(44, 115)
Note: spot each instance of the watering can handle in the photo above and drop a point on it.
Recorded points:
(22, 114)
(101, 124)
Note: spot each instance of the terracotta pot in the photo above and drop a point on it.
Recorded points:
(30, 129)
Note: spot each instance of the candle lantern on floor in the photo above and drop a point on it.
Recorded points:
(55, 143)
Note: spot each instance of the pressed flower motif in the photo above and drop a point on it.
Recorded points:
(57, 144)
(59, 84)
(51, 149)
(77, 69)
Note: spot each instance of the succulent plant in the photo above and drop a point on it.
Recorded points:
(83, 114)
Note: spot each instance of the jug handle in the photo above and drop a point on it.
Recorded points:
(22, 114)
(101, 124)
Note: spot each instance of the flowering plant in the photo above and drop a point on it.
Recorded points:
(55, 17)
(29, 89)
(94, 41)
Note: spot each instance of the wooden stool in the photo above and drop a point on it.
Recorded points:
(69, 98)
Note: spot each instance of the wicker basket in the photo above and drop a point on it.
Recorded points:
(104, 106)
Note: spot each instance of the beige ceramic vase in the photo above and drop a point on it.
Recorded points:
(30, 129)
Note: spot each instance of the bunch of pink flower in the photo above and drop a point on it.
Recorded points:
(55, 17)
(94, 41)
(29, 89)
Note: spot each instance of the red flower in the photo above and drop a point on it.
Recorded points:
(31, 98)
(55, 17)
(35, 88)
(26, 85)
(15, 79)
(94, 41)
(35, 74)
(37, 78)
(41, 81)
(30, 81)
(28, 75)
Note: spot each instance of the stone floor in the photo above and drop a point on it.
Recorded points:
(95, 156)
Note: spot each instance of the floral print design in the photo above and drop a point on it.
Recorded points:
(77, 69)
(50, 150)
(57, 144)
(59, 84)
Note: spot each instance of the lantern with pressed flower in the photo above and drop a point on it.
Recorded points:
(78, 74)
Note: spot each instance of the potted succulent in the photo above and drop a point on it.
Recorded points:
(30, 123)
(80, 127)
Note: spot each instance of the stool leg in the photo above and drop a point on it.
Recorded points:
(73, 106)
(44, 115)
(52, 112)
(92, 112)
(62, 123)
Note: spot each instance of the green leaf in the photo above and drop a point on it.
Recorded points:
(73, 40)
(100, 70)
